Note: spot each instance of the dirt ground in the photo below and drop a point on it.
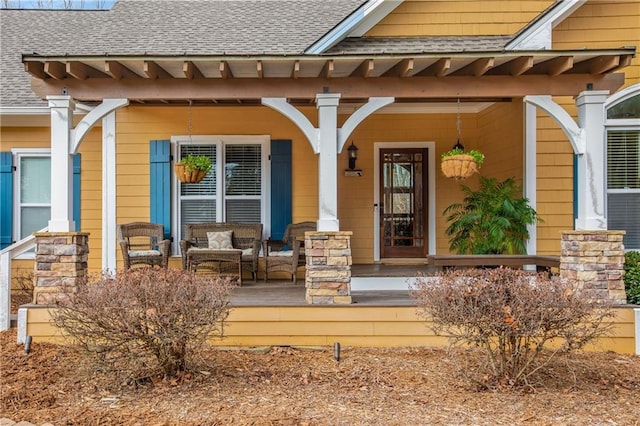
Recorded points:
(288, 386)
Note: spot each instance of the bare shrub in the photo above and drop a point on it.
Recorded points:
(22, 289)
(146, 321)
(512, 316)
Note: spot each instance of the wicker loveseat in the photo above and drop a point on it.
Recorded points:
(197, 254)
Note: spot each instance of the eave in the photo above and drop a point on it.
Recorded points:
(245, 79)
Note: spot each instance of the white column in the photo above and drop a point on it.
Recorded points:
(530, 169)
(327, 104)
(61, 164)
(109, 192)
(591, 183)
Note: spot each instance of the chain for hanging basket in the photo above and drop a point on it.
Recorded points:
(459, 166)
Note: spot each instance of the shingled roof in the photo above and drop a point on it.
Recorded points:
(399, 45)
(160, 27)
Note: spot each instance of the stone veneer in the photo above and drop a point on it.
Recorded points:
(595, 260)
(328, 275)
(61, 264)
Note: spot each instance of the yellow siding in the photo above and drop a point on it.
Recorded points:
(458, 17)
(349, 325)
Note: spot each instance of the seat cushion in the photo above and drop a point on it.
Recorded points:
(281, 253)
(247, 251)
(220, 240)
(144, 253)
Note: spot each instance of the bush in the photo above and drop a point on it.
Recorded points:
(512, 316)
(146, 321)
(632, 276)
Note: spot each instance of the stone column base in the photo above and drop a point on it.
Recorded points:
(595, 260)
(328, 275)
(60, 266)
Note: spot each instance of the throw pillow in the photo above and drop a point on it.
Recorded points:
(220, 240)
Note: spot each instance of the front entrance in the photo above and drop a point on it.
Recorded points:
(403, 202)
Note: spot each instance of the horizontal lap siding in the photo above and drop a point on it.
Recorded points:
(458, 17)
(349, 325)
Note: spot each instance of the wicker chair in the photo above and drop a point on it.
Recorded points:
(143, 243)
(287, 255)
(246, 238)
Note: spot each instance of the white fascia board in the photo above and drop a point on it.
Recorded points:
(538, 36)
(356, 24)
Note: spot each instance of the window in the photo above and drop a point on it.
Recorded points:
(239, 194)
(32, 192)
(623, 169)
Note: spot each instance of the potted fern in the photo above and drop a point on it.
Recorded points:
(490, 220)
(459, 164)
(192, 168)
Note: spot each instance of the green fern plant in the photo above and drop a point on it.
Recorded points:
(490, 220)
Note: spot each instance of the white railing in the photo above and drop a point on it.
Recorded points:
(6, 255)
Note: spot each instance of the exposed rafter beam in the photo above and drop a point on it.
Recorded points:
(364, 69)
(259, 69)
(401, 69)
(116, 70)
(225, 71)
(78, 70)
(36, 69)
(296, 69)
(327, 69)
(191, 71)
(481, 66)
(154, 71)
(520, 65)
(439, 68)
(56, 70)
(557, 66)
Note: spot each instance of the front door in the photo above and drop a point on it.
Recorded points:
(403, 202)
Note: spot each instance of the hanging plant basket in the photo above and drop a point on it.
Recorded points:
(188, 176)
(459, 166)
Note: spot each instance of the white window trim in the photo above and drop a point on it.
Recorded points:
(620, 124)
(17, 219)
(222, 140)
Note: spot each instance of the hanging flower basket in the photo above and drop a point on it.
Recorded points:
(184, 176)
(459, 166)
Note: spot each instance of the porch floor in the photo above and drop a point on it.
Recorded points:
(285, 293)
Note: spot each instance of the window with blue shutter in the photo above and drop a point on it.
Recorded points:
(6, 199)
(281, 194)
(160, 184)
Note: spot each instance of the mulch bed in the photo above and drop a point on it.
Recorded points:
(288, 386)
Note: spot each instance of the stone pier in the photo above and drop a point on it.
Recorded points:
(60, 264)
(595, 260)
(328, 275)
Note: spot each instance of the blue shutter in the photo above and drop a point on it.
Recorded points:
(6, 199)
(281, 196)
(160, 184)
(76, 190)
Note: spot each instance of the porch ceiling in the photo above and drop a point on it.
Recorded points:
(244, 80)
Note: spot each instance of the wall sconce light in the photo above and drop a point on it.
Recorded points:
(353, 156)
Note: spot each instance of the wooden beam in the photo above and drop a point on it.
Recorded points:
(438, 69)
(520, 65)
(296, 69)
(476, 68)
(401, 69)
(191, 71)
(259, 69)
(56, 70)
(154, 71)
(327, 69)
(603, 64)
(225, 71)
(351, 87)
(364, 69)
(36, 69)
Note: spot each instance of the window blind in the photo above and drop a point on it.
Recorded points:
(623, 159)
